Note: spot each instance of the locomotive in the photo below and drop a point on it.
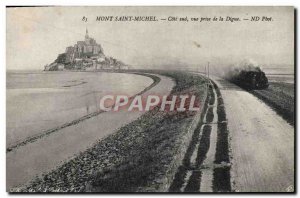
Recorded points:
(254, 79)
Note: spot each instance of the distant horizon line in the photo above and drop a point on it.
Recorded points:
(155, 67)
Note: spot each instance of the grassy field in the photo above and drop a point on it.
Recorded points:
(280, 96)
(138, 157)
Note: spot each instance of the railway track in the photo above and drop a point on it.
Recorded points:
(206, 165)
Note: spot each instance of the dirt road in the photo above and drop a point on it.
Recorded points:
(262, 143)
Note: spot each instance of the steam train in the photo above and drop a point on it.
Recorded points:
(250, 79)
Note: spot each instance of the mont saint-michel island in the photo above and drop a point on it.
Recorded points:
(86, 55)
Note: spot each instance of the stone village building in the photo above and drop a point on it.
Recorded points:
(83, 49)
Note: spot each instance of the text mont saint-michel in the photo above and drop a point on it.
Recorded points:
(126, 18)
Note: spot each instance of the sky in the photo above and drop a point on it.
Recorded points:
(36, 35)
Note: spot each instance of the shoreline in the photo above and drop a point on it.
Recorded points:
(54, 150)
(34, 138)
(144, 148)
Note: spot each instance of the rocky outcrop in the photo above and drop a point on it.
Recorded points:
(85, 55)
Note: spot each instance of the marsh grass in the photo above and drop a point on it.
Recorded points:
(280, 97)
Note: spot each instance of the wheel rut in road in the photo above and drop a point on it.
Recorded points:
(206, 165)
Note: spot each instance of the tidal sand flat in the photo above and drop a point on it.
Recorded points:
(44, 155)
(142, 155)
(39, 101)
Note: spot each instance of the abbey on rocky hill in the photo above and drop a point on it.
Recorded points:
(85, 55)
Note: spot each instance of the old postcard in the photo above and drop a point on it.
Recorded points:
(150, 99)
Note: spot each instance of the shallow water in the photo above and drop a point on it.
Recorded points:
(280, 74)
(38, 101)
(37, 158)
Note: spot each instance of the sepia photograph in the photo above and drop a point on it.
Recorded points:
(150, 99)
